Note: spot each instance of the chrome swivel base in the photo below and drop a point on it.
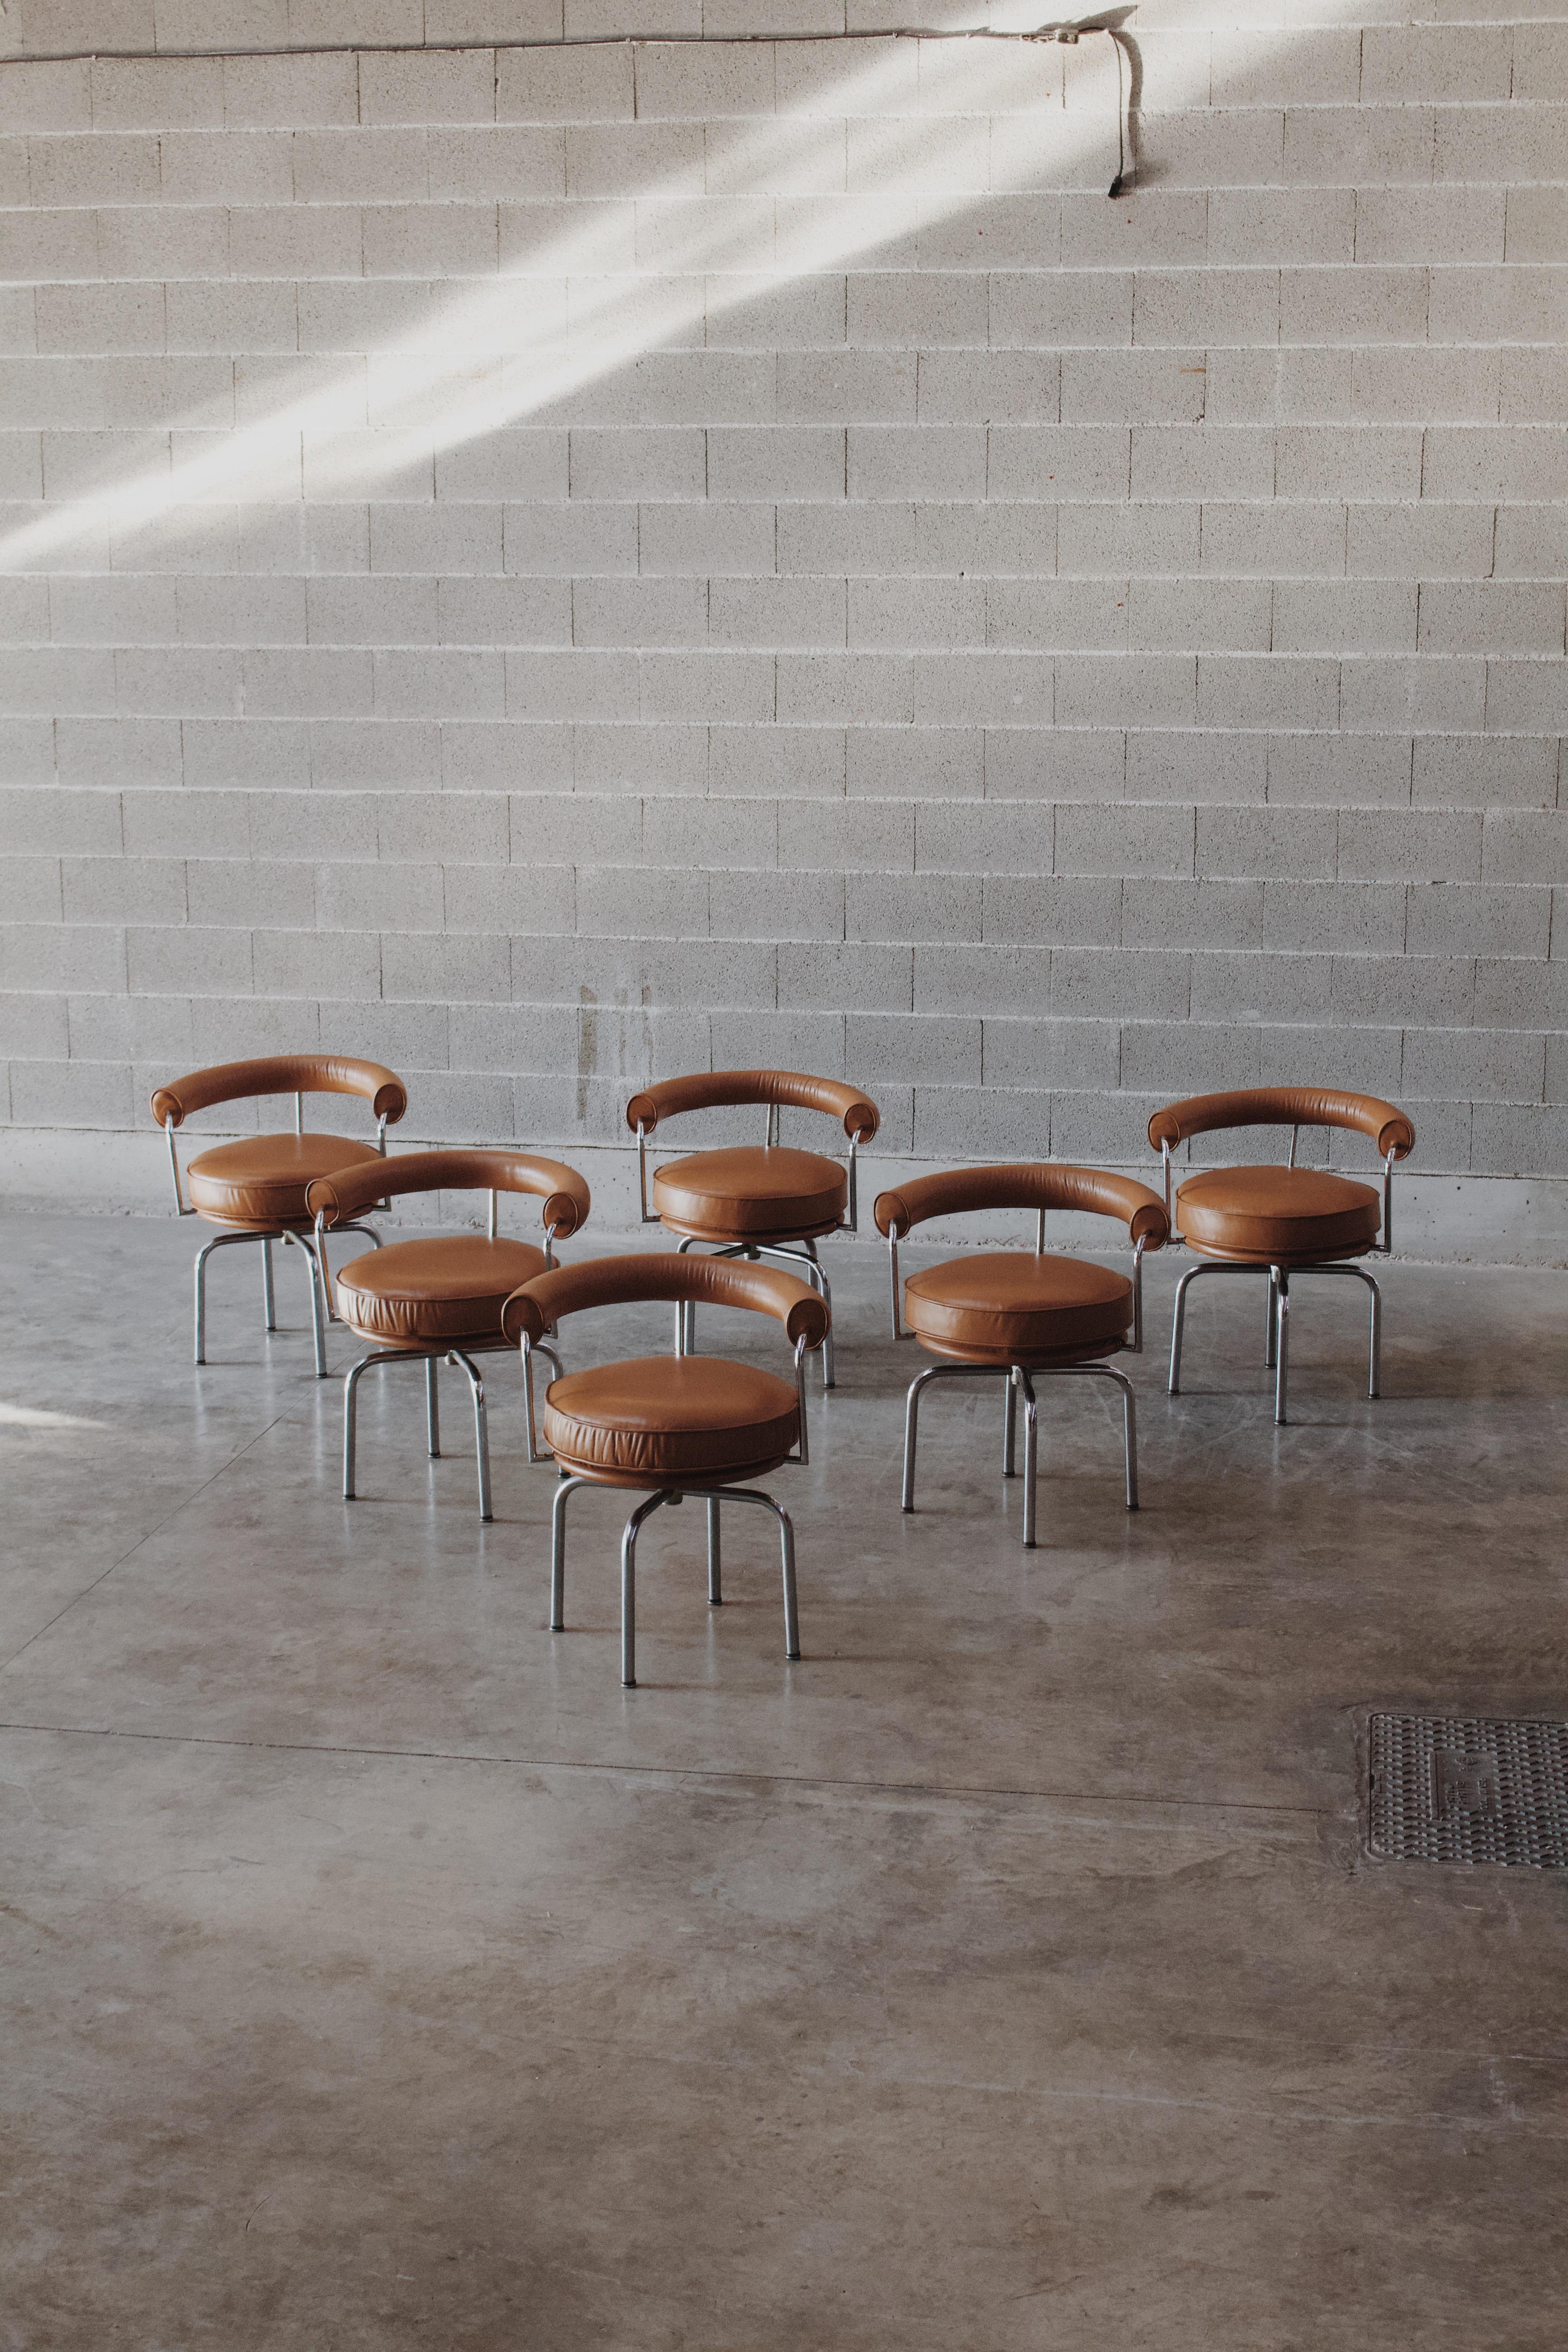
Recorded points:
(432, 1358)
(1021, 1383)
(1277, 1332)
(317, 1285)
(801, 1259)
(712, 1496)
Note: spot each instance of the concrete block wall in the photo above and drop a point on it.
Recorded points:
(551, 566)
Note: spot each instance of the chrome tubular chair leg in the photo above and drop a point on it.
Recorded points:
(1010, 1428)
(482, 1428)
(1374, 1337)
(686, 1312)
(820, 1284)
(219, 1241)
(629, 1589)
(558, 1551)
(269, 1305)
(911, 1412)
(318, 1292)
(1031, 1455)
(1270, 1336)
(433, 1406)
(715, 1586)
(1128, 1417)
(351, 1421)
(786, 1544)
(1282, 1341)
(1178, 1322)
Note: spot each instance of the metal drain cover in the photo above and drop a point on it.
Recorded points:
(1454, 1788)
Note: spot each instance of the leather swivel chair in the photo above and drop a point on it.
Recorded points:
(440, 1299)
(255, 1189)
(673, 1427)
(1019, 1315)
(1281, 1221)
(755, 1200)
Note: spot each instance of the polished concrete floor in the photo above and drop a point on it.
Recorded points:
(377, 1973)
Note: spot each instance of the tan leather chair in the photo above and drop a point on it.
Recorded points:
(1020, 1316)
(255, 1189)
(440, 1299)
(755, 1200)
(673, 1427)
(1281, 1220)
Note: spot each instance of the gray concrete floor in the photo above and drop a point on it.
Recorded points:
(1007, 1974)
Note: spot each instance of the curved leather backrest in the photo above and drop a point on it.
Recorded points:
(718, 1089)
(282, 1074)
(352, 1190)
(664, 1273)
(1032, 1184)
(1286, 1107)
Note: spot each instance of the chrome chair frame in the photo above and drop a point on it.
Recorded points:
(1020, 1380)
(801, 1259)
(1276, 1328)
(320, 1293)
(665, 1493)
(435, 1355)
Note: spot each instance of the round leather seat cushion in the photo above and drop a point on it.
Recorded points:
(726, 1196)
(262, 1183)
(1010, 1306)
(676, 1417)
(1269, 1216)
(452, 1288)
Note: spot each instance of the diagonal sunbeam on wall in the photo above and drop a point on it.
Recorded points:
(852, 174)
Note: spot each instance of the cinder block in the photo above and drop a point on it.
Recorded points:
(983, 979)
(637, 612)
(1518, 1140)
(1299, 843)
(1476, 1064)
(775, 907)
(899, 1049)
(787, 463)
(1511, 462)
(100, 169)
(834, 974)
(1333, 918)
(481, 755)
(840, 539)
(173, 961)
(692, 832)
(1513, 304)
(1402, 63)
(314, 824)
(57, 956)
(945, 615)
(1105, 541)
(494, 899)
(572, 684)
(1344, 616)
(1485, 772)
(934, 763)
(31, 889)
(553, 538)
(991, 688)
(1339, 771)
(41, 678)
(256, 894)
(1195, 309)
(297, 682)
(381, 898)
(1357, 146)
(1357, 305)
(1177, 1058)
(1047, 309)
(1445, 225)
(290, 92)
(1124, 840)
(965, 539)
(896, 908)
(245, 752)
(1052, 910)
(779, 759)
(359, 751)
(450, 86)
(45, 821)
(706, 541)
(1195, 765)
(1119, 984)
(71, 1094)
(1059, 462)
(1418, 542)
(1051, 1053)
(1530, 389)
(1533, 227)
(1490, 617)
(1199, 616)
(919, 311)
(1525, 696)
(776, 612)
(1275, 690)
(846, 689)
(988, 838)
(450, 828)
(1130, 690)
(567, 85)
(1268, 987)
(1183, 914)
(98, 318)
(1252, 538)
(701, 685)
(1421, 991)
(1080, 763)
(342, 965)
(867, 836)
